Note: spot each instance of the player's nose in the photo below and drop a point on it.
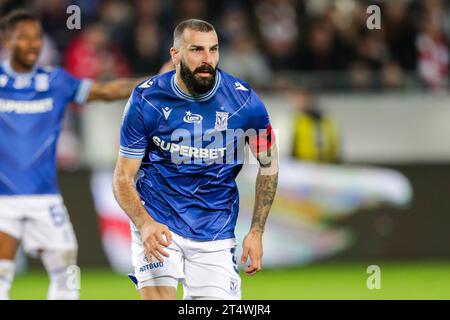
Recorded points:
(207, 59)
(35, 44)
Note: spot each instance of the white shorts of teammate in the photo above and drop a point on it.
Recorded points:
(42, 224)
(205, 268)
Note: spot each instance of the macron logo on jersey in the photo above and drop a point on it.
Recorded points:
(146, 84)
(167, 111)
(31, 106)
(239, 86)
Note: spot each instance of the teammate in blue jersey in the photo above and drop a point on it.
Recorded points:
(32, 105)
(183, 135)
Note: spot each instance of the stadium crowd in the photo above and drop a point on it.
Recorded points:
(262, 41)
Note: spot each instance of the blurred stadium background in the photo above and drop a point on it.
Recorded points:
(362, 123)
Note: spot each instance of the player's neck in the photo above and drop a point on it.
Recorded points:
(19, 68)
(181, 84)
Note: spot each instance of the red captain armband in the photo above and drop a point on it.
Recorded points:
(263, 140)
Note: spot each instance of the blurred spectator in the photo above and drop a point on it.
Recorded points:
(316, 136)
(147, 54)
(348, 19)
(432, 52)
(53, 16)
(156, 11)
(392, 75)
(234, 21)
(279, 29)
(399, 33)
(372, 50)
(148, 9)
(188, 9)
(327, 40)
(243, 59)
(93, 55)
(90, 8)
(360, 75)
(117, 16)
(323, 50)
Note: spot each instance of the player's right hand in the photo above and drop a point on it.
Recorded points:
(155, 236)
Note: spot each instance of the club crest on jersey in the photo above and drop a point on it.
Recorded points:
(41, 82)
(221, 121)
(192, 117)
(3, 80)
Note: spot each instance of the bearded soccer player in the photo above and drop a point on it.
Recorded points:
(182, 136)
(32, 105)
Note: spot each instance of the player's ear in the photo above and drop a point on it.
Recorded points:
(6, 42)
(175, 56)
(5, 39)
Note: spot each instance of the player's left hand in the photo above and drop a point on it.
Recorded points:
(252, 246)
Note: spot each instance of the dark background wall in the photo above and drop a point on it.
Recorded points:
(419, 231)
(75, 187)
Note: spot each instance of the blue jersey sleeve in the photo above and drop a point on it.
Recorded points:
(259, 121)
(258, 118)
(77, 90)
(134, 133)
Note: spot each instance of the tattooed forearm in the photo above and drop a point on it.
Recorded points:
(266, 187)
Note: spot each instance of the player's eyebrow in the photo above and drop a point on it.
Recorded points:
(193, 46)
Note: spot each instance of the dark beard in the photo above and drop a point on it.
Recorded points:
(25, 66)
(197, 86)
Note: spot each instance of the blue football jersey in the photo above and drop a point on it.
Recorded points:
(192, 151)
(32, 106)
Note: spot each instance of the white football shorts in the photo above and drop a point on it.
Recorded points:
(41, 222)
(205, 268)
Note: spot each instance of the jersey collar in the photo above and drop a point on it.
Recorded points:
(200, 98)
(10, 71)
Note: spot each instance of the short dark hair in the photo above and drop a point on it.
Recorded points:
(193, 24)
(14, 17)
